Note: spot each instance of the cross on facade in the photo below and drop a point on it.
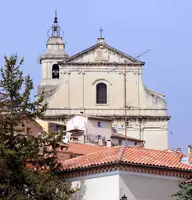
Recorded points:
(101, 33)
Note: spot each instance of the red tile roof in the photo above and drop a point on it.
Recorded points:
(83, 149)
(129, 155)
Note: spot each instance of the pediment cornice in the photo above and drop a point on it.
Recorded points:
(105, 48)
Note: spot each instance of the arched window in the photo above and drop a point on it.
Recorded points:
(55, 71)
(101, 93)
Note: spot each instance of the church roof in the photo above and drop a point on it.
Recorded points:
(105, 45)
(128, 155)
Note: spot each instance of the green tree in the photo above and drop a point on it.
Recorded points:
(185, 192)
(28, 163)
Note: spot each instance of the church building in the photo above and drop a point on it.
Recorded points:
(97, 81)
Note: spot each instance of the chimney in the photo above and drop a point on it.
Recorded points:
(178, 150)
(101, 142)
(189, 149)
(109, 143)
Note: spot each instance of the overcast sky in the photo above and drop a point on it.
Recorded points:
(132, 26)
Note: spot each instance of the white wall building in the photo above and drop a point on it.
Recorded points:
(89, 128)
(135, 186)
(97, 130)
(137, 173)
(91, 82)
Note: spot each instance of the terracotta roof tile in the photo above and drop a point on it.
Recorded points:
(83, 149)
(106, 156)
(154, 157)
(133, 155)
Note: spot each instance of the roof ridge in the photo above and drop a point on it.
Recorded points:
(120, 154)
(90, 154)
(128, 155)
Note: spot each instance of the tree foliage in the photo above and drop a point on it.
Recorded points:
(185, 192)
(28, 163)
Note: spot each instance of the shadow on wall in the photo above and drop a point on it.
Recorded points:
(80, 195)
(150, 188)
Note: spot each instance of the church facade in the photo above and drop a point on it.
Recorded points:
(92, 82)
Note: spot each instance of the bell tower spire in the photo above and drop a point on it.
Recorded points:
(55, 30)
(54, 53)
(55, 27)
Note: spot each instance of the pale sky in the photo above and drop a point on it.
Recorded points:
(132, 26)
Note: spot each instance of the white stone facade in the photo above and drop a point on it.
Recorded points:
(75, 90)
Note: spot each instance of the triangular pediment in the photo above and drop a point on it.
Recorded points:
(102, 52)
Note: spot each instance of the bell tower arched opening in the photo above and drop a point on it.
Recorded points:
(55, 71)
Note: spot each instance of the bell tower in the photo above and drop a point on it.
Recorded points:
(55, 52)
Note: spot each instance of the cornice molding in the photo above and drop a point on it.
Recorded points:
(162, 171)
(63, 116)
(98, 64)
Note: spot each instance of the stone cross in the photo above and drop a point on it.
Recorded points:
(101, 32)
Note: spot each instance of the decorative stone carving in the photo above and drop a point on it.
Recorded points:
(101, 54)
